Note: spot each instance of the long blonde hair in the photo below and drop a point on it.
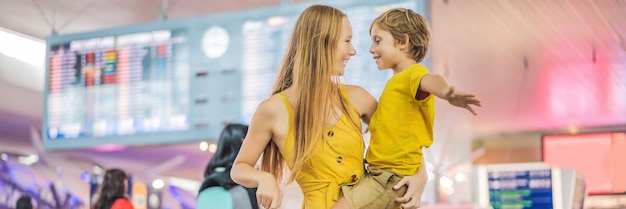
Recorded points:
(308, 66)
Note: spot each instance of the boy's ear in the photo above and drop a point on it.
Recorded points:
(405, 42)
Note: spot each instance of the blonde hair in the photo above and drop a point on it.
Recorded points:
(308, 66)
(400, 22)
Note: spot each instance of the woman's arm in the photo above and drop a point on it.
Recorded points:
(243, 171)
(362, 101)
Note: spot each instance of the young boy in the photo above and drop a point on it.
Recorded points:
(403, 123)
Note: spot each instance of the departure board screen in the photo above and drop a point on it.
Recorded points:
(529, 189)
(182, 80)
(265, 41)
(118, 85)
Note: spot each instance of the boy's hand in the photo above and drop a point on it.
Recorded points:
(462, 100)
(412, 199)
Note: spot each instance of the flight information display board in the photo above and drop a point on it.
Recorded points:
(182, 80)
(265, 40)
(529, 189)
(118, 85)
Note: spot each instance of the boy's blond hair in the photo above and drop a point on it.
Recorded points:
(400, 22)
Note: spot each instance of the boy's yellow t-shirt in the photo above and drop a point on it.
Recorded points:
(401, 125)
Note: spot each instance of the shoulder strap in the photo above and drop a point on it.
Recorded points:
(287, 103)
(353, 113)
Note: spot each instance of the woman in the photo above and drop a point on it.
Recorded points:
(311, 122)
(218, 190)
(112, 193)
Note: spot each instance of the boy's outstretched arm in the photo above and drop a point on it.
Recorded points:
(416, 184)
(437, 85)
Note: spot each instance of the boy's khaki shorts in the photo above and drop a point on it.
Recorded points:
(374, 190)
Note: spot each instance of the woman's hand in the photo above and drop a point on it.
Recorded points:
(412, 199)
(268, 193)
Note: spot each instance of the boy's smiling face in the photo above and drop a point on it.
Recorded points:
(384, 49)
